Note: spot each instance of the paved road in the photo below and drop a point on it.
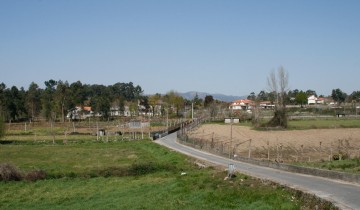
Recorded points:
(343, 194)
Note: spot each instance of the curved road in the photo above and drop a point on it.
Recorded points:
(343, 194)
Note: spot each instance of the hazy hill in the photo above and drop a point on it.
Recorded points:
(221, 97)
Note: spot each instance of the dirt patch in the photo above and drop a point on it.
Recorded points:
(287, 146)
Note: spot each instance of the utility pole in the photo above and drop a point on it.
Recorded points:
(249, 155)
(231, 133)
(167, 121)
(192, 111)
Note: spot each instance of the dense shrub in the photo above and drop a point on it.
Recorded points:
(341, 156)
(279, 119)
(111, 171)
(9, 172)
(142, 168)
(137, 169)
(35, 175)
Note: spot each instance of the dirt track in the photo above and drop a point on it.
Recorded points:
(291, 145)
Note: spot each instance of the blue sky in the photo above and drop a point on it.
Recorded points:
(215, 46)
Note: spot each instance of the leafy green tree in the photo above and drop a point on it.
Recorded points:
(120, 93)
(338, 95)
(355, 96)
(197, 101)
(144, 102)
(293, 93)
(174, 102)
(33, 100)
(311, 92)
(252, 96)
(208, 101)
(2, 99)
(100, 100)
(301, 98)
(291, 96)
(133, 106)
(262, 96)
(155, 100)
(61, 97)
(14, 103)
(179, 104)
(47, 99)
(20, 103)
(126, 90)
(78, 94)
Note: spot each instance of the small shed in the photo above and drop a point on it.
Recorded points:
(230, 120)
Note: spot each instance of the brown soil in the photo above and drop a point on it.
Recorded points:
(288, 146)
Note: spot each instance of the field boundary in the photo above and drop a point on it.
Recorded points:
(348, 177)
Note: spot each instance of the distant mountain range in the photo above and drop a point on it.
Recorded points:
(221, 97)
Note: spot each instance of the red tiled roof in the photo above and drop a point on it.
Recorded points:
(245, 101)
(87, 108)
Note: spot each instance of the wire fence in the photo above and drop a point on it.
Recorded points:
(243, 148)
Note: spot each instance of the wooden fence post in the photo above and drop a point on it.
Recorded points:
(249, 149)
(268, 149)
(331, 151)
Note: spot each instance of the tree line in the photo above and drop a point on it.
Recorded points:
(53, 101)
(58, 97)
(300, 97)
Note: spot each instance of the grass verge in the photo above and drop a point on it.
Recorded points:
(348, 165)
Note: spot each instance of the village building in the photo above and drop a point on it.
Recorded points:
(313, 100)
(80, 113)
(242, 104)
(267, 105)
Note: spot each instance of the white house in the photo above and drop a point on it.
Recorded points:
(321, 101)
(243, 104)
(79, 113)
(312, 100)
(115, 111)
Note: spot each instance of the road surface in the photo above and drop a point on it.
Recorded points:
(343, 194)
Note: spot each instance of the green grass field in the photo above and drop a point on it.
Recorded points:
(132, 175)
(348, 165)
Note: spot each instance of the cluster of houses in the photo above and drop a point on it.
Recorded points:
(313, 100)
(83, 112)
(246, 104)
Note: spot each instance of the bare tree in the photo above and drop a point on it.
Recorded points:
(278, 84)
